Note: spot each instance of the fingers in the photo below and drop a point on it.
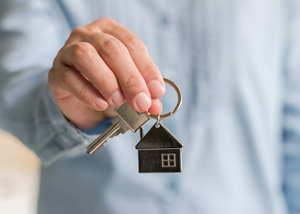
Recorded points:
(139, 54)
(156, 107)
(67, 80)
(118, 59)
(83, 57)
(116, 64)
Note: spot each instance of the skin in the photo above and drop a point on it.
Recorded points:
(100, 66)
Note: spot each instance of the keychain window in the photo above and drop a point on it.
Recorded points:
(168, 160)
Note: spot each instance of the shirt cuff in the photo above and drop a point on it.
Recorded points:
(98, 129)
(57, 137)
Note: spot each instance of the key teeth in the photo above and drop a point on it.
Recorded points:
(126, 119)
(96, 149)
(99, 147)
(114, 135)
(118, 132)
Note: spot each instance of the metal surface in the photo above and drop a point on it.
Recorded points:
(126, 119)
(141, 133)
(157, 124)
(114, 130)
(157, 144)
(159, 138)
(168, 160)
(134, 120)
(150, 161)
(164, 116)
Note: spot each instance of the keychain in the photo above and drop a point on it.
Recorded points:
(158, 150)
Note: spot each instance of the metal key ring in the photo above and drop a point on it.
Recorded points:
(164, 116)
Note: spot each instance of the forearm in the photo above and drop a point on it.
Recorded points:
(32, 115)
(30, 38)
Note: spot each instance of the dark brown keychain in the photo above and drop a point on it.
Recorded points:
(159, 150)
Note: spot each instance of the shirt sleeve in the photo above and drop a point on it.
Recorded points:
(31, 33)
(291, 131)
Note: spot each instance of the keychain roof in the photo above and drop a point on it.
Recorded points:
(158, 138)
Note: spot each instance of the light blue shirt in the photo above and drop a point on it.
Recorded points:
(238, 66)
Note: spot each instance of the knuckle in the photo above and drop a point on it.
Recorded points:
(73, 85)
(82, 50)
(148, 69)
(50, 76)
(113, 48)
(133, 81)
(57, 62)
(53, 73)
(135, 44)
(65, 79)
(82, 31)
(117, 26)
(78, 31)
(108, 21)
(106, 79)
(82, 91)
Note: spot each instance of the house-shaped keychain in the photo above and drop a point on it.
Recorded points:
(159, 151)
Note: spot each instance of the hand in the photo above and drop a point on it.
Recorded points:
(100, 66)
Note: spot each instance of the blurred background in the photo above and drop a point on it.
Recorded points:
(19, 176)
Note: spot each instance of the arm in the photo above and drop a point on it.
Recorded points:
(96, 62)
(291, 130)
(30, 36)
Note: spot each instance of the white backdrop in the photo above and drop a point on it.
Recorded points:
(19, 176)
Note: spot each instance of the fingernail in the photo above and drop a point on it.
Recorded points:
(100, 103)
(143, 102)
(156, 89)
(118, 98)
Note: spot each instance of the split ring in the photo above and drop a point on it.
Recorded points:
(164, 116)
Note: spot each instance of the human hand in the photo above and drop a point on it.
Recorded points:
(100, 66)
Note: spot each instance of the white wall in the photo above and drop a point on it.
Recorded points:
(19, 177)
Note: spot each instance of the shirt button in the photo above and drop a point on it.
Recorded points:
(172, 186)
(164, 20)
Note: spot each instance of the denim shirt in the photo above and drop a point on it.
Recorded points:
(237, 64)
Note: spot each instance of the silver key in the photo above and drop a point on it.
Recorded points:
(126, 119)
